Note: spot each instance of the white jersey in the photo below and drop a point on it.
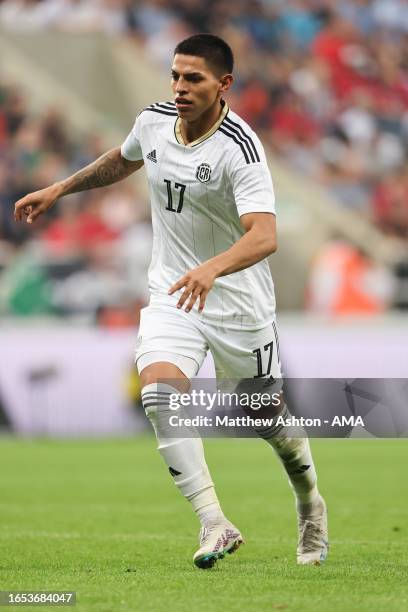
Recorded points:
(198, 193)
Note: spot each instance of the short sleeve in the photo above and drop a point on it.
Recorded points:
(253, 189)
(131, 149)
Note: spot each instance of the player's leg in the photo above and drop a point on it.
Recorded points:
(184, 456)
(254, 354)
(165, 374)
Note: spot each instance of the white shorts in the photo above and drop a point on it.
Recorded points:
(170, 334)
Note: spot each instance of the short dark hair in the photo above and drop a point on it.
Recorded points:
(213, 49)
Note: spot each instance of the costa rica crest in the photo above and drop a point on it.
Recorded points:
(203, 173)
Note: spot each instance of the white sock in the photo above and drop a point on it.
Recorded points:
(183, 456)
(293, 449)
(207, 507)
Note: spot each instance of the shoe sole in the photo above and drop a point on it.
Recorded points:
(208, 561)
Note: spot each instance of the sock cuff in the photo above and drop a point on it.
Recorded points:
(158, 394)
(158, 397)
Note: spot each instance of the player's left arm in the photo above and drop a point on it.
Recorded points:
(258, 242)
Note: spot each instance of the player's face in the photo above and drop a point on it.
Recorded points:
(195, 87)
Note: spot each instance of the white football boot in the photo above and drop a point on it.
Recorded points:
(215, 541)
(313, 544)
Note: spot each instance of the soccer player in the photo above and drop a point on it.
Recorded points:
(213, 219)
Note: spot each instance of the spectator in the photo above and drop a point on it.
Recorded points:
(344, 281)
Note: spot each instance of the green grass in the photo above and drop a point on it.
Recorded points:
(104, 519)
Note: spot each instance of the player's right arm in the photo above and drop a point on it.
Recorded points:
(106, 170)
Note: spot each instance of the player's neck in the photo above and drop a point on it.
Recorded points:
(192, 130)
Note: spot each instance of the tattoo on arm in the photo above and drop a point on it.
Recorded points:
(106, 170)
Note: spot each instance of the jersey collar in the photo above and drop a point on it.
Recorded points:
(214, 128)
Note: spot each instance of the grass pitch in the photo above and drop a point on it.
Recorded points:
(104, 519)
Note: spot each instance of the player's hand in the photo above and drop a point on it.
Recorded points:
(35, 204)
(197, 283)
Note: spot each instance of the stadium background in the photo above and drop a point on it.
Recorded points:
(324, 83)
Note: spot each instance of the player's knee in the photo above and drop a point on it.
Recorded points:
(157, 372)
(149, 377)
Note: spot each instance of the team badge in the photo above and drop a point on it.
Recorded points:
(203, 173)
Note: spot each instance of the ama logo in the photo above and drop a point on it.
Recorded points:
(203, 173)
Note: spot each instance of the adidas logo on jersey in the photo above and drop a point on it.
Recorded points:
(152, 156)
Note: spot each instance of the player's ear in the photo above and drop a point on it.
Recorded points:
(226, 82)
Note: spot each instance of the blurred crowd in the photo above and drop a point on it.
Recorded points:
(88, 256)
(325, 80)
(325, 83)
